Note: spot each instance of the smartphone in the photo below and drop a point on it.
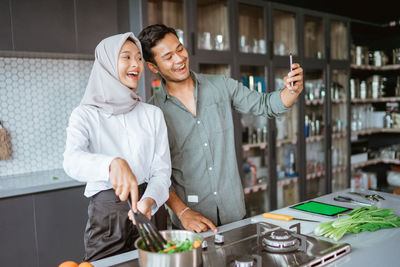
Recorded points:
(291, 62)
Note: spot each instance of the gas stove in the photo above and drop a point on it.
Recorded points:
(263, 244)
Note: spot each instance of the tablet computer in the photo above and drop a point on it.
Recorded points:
(320, 208)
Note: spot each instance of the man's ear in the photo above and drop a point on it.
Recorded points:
(152, 67)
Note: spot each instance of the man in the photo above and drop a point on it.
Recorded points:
(206, 187)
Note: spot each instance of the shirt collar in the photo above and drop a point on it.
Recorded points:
(164, 93)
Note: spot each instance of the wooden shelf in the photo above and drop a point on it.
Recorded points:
(247, 147)
(255, 188)
(374, 162)
(314, 102)
(383, 68)
(315, 175)
(315, 138)
(287, 180)
(339, 101)
(339, 135)
(263, 186)
(376, 100)
(285, 141)
(279, 143)
(338, 169)
(376, 130)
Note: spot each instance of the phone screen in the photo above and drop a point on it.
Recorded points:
(320, 208)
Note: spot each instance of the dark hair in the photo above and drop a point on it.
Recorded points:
(150, 36)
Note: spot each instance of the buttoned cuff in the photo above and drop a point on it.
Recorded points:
(276, 98)
(104, 168)
(157, 195)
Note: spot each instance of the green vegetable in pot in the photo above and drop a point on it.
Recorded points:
(176, 246)
(360, 219)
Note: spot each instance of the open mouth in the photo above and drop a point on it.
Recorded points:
(133, 74)
(180, 68)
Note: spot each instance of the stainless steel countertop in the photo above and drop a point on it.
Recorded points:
(35, 182)
(377, 248)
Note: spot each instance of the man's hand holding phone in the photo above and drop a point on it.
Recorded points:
(293, 83)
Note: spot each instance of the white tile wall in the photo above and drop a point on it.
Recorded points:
(37, 97)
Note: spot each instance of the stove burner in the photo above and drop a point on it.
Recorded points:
(244, 261)
(280, 241)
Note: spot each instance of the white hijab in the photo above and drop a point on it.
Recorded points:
(104, 90)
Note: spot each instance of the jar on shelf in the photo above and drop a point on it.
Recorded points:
(363, 90)
(396, 56)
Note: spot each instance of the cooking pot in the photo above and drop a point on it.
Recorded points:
(191, 258)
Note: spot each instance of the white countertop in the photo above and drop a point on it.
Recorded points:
(377, 248)
(35, 182)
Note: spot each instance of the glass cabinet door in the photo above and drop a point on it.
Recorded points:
(170, 13)
(314, 132)
(284, 33)
(215, 69)
(286, 150)
(254, 145)
(212, 25)
(339, 90)
(313, 37)
(251, 29)
(339, 41)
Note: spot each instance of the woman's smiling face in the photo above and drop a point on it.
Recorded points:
(130, 64)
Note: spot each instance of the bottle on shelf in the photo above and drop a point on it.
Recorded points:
(387, 120)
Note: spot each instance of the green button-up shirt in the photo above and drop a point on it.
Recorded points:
(204, 170)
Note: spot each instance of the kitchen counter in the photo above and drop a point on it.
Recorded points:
(35, 182)
(368, 248)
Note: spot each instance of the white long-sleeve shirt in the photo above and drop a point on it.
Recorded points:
(140, 137)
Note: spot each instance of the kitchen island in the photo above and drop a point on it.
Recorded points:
(377, 248)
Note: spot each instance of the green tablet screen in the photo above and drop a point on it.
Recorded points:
(320, 208)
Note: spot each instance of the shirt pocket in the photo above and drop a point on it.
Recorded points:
(217, 118)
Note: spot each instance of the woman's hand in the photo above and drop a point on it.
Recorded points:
(144, 206)
(124, 181)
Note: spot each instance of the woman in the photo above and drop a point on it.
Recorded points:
(117, 144)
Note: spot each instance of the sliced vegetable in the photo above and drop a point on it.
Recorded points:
(360, 219)
(196, 244)
(169, 248)
(177, 246)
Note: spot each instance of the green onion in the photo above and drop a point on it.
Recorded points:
(360, 219)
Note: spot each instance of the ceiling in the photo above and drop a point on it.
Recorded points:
(379, 12)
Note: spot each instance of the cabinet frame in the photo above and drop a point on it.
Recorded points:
(234, 58)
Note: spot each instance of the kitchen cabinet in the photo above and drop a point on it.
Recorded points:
(43, 26)
(95, 20)
(43, 229)
(375, 99)
(60, 26)
(17, 235)
(60, 220)
(340, 148)
(315, 122)
(5, 28)
(213, 25)
(257, 38)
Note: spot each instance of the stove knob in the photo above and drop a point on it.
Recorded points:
(218, 239)
(244, 262)
(204, 244)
